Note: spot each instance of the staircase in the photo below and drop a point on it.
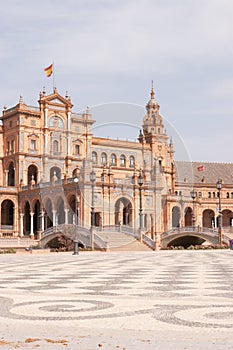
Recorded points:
(119, 241)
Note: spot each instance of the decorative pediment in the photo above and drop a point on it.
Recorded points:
(55, 100)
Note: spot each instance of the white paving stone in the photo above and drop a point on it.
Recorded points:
(140, 300)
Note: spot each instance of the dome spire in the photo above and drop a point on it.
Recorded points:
(152, 94)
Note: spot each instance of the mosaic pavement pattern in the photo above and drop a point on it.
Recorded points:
(163, 293)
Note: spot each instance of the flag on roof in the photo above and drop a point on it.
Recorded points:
(200, 168)
(49, 70)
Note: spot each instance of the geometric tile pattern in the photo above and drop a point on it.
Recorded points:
(146, 291)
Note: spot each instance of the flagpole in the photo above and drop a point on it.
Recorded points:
(53, 76)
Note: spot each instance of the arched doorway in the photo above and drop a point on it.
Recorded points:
(123, 212)
(188, 217)
(7, 213)
(48, 215)
(27, 219)
(60, 212)
(227, 218)
(11, 175)
(36, 216)
(55, 171)
(32, 174)
(208, 218)
(72, 206)
(175, 217)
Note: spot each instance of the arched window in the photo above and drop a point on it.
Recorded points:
(131, 161)
(103, 158)
(77, 149)
(209, 194)
(55, 146)
(11, 175)
(176, 217)
(56, 123)
(7, 213)
(32, 173)
(113, 159)
(213, 194)
(55, 172)
(122, 160)
(94, 158)
(228, 195)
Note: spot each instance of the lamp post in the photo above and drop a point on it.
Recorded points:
(193, 194)
(92, 179)
(219, 187)
(140, 183)
(76, 221)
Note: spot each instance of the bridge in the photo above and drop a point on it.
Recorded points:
(112, 237)
(193, 235)
(103, 237)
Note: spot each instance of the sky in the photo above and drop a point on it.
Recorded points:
(106, 53)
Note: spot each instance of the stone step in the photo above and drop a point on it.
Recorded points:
(119, 241)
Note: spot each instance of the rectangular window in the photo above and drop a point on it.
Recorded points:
(13, 145)
(33, 145)
(77, 149)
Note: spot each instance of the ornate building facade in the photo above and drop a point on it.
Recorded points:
(136, 185)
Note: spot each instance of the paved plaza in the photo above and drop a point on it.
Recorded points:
(148, 300)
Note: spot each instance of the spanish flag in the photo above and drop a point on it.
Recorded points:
(49, 70)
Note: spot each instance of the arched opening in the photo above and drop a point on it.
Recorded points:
(27, 219)
(131, 161)
(122, 160)
(113, 160)
(55, 146)
(11, 175)
(7, 213)
(188, 217)
(60, 212)
(227, 218)
(55, 171)
(186, 241)
(48, 215)
(32, 174)
(123, 212)
(62, 243)
(94, 158)
(36, 216)
(75, 172)
(208, 218)
(71, 215)
(103, 158)
(175, 217)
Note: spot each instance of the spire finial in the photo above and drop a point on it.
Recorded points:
(152, 89)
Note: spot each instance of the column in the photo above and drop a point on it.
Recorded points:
(21, 224)
(6, 176)
(54, 217)
(46, 117)
(42, 221)
(32, 228)
(66, 216)
(68, 136)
